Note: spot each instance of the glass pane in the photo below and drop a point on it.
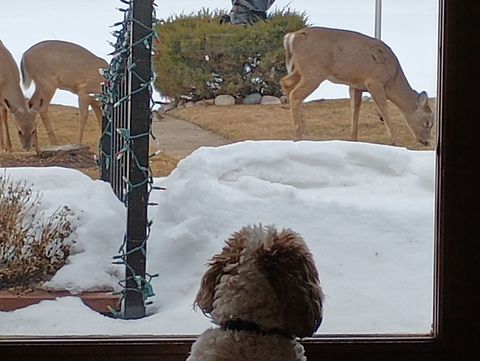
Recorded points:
(365, 209)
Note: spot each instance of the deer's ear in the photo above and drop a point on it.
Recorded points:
(10, 107)
(422, 99)
(35, 108)
(7, 103)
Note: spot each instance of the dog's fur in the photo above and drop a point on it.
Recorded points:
(263, 291)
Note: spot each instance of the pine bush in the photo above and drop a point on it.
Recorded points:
(197, 58)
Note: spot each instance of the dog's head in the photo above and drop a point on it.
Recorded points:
(285, 264)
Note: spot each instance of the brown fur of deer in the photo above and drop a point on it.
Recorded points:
(12, 98)
(316, 54)
(54, 64)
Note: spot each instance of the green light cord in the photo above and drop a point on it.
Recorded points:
(121, 154)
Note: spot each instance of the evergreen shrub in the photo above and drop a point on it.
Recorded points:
(198, 58)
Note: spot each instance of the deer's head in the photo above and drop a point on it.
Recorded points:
(25, 123)
(421, 120)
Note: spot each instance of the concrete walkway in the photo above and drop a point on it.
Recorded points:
(179, 138)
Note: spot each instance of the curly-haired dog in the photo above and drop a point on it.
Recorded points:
(263, 291)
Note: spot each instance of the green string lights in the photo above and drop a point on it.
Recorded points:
(124, 145)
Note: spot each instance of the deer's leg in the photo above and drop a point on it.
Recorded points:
(83, 103)
(42, 102)
(5, 144)
(97, 109)
(288, 82)
(378, 94)
(35, 143)
(355, 103)
(303, 89)
(2, 122)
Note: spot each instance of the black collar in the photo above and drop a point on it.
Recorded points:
(249, 326)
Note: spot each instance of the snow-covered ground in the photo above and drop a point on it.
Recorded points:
(366, 211)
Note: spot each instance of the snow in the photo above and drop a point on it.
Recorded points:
(366, 211)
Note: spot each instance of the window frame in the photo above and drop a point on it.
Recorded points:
(456, 249)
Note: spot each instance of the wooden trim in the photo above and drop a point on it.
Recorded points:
(102, 302)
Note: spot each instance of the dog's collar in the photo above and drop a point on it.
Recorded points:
(249, 326)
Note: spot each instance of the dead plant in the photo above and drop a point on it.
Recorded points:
(33, 247)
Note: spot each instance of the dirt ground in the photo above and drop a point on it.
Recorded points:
(184, 130)
(325, 120)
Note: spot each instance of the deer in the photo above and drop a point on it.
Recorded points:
(316, 54)
(13, 100)
(56, 64)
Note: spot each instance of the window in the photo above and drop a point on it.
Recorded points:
(456, 309)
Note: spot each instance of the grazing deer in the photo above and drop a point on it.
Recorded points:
(13, 99)
(53, 65)
(316, 54)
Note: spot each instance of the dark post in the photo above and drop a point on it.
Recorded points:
(137, 201)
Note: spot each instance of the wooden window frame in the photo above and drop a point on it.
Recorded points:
(457, 248)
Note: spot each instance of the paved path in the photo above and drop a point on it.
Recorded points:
(179, 138)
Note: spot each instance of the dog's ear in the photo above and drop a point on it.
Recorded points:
(291, 271)
(230, 255)
(206, 293)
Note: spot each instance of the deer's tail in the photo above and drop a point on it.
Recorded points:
(26, 78)
(287, 44)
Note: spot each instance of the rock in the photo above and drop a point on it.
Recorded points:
(199, 103)
(56, 150)
(224, 100)
(284, 99)
(209, 101)
(268, 99)
(252, 99)
(189, 104)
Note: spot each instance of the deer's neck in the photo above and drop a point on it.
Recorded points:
(15, 97)
(401, 94)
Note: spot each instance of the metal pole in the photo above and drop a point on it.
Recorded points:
(378, 19)
(140, 114)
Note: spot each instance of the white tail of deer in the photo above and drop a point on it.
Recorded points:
(55, 64)
(316, 54)
(12, 98)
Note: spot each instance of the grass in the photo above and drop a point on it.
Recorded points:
(64, 120)
(325, 120)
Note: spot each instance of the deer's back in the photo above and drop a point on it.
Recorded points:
(343, 56)
(9, 74)
(64, 65)
(8, 66)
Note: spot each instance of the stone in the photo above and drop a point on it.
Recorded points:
(269, 99)
(56, 150)
(224, 100)
(254, 98)
(209, 101)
